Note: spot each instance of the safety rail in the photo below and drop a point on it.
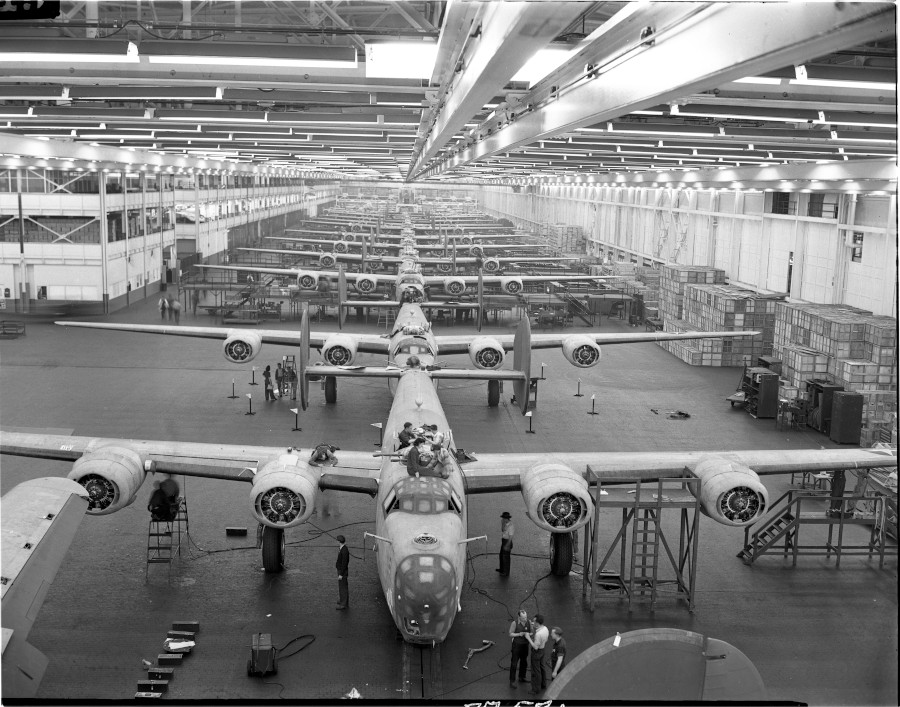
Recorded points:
(780, 528)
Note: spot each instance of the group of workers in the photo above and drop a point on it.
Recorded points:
(530, 639)
(423, 450)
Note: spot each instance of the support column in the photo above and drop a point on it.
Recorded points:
(23, 300)
(127, 230)
(104, 242)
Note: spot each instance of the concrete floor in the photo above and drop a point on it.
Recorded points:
(817, 634)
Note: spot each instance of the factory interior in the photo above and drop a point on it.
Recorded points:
(470, 199)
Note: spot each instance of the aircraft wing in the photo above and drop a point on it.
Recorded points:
(355, 471)
(460, 343)
(293, 272)
(504, 472)
(366, 343)
(40, 517)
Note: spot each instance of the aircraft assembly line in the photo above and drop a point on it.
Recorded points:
(171, 388)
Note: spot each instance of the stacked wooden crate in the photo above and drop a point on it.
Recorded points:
(566, 238)
(672, 283)
(850, 347)
(729, 308)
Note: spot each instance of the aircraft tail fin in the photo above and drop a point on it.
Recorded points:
(303, 363)
(522, 362)
(342, 297)
(480, 298)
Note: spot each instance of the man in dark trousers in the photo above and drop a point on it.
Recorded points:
(343, 565)
(507, 530)
(538, 665)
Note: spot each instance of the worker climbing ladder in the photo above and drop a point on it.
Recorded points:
(164, 537)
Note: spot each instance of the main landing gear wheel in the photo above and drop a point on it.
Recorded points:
(273, 549)
(493, 393)
(562, 550)
(330, 389)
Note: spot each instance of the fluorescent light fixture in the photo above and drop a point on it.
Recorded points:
(68, 50)
(400, 60)
(160, 93)
(845, 77)
(212, 116)
(249, 54)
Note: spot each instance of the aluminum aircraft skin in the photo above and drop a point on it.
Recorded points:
(489, 264)
(420, 523)
(345, 244)
(409, 274)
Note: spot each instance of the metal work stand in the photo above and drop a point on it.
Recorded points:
(640, 576)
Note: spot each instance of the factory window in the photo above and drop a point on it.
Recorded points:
(781, 202)
(42, 292)
(822, 205)
(856, 253)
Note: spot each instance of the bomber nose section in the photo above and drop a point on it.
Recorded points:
(425, 590)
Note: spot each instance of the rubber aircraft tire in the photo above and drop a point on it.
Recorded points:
(273, 549)
(561, 554)
(493, 393)
(330, 389)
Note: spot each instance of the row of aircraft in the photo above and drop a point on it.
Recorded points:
(420, 523)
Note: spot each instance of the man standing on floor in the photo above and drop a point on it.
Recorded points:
(538, 643)
(558, 653)
(518, 629)
(507, 530)
(343, 565)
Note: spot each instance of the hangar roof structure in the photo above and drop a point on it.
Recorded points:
(491, 92)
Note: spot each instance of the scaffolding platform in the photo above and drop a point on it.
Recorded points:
(649, 565)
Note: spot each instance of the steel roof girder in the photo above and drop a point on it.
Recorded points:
(752, 40)
(509, 34)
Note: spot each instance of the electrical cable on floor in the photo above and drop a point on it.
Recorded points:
(303, 647)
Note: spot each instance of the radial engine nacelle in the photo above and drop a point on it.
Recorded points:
(111, 476)
(730, 493)
(339, 350)
(327, 260)
(366, 285)
(454, 286)
(490, 265)
(307, 279)
(341, 247)
(556, 497)
(486, 352)
(284, 492)
(241, 346)
(581, 350)
(511, 285)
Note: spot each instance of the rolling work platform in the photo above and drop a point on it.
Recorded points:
(164, 538)
(642, 573)
(779, 531)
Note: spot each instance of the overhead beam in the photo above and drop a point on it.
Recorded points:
(503, 38)
(713, 44)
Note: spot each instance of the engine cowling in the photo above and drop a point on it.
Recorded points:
(341, 247)
(581, 351)
(491, 265)
(111, 476)
(476, 250)
(454, 286)
(284, 492)
(327, 260)
(466, 240)
(307, 279)
(556, 497)
(444, 267)
(731, 493)
(366, 285)
(486, 352)
(241, 346)
(339, 350)
(511, 285)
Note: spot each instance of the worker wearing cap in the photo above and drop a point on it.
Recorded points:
(507, 530)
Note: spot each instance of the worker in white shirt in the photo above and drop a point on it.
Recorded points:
(538, 643)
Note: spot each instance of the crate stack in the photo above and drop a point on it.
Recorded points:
(673, 280)
(566, 238)
(728, 308)
(850, 347)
